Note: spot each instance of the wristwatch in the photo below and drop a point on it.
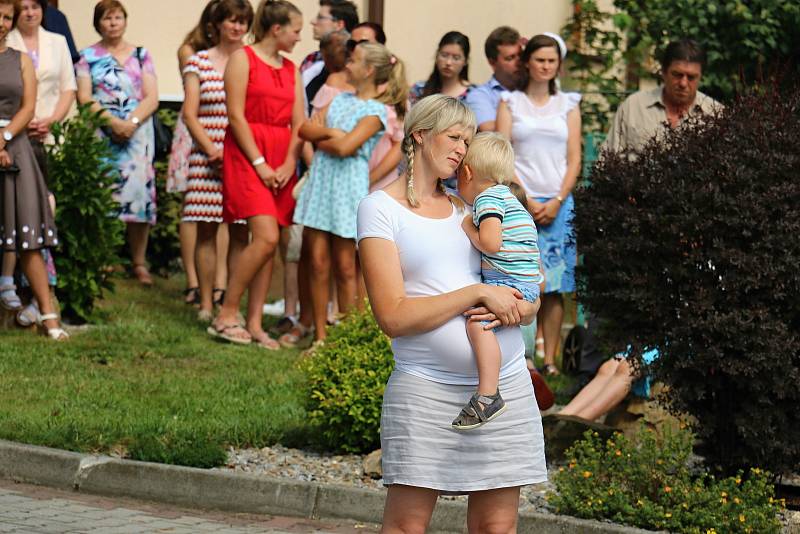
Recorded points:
(7, 136)
(560, 199)
(135, 121)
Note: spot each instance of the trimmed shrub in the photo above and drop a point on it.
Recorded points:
(647, 484)
(346, 378)
(692, 246)
(81, 178)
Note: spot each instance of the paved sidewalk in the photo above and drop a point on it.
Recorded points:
(36, 509)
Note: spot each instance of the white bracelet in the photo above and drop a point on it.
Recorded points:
(258, 161)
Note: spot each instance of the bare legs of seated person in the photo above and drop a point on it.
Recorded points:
(607, 389)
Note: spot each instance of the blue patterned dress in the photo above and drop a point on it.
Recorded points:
(118, 88)
(329, 200)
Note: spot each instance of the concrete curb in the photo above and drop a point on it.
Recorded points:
(232, 492)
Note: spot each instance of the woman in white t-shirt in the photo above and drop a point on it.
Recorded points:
(423, 278)
(544, 126)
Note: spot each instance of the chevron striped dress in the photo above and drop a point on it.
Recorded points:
(203, 198)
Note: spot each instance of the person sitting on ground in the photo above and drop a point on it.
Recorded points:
(503, 230)
(612, 383)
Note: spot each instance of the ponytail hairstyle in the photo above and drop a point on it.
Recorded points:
(434, 83)
(537, 42)
(389, 70)
(434, 114)
(201, 37)
(271, 12)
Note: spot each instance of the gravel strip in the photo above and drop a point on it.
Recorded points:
(346, 469)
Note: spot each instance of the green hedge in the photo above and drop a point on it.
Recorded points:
(647, 483)
(81, 178)
(346, 378)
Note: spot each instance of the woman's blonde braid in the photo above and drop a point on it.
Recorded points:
(408, 149)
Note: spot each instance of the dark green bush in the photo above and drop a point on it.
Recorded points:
(346, 379)
(163, 247)
(646, 483)
(81, 179)
(692, 246)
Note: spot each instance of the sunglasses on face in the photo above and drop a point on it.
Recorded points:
(352, 44)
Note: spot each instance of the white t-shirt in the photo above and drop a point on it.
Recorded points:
(436, 257)
(539, 137)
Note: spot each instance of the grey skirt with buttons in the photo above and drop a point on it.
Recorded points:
(421, 449)
(26, 222)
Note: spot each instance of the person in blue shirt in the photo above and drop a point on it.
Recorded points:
(56, 22)
(502, 48)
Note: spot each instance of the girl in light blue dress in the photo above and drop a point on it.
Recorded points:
(345, 135)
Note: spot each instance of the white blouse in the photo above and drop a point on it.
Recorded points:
(436, 257)
(54, 74)
(539, 137)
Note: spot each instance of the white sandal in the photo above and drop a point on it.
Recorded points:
(540, 347)
(57, 333)
(11, 300)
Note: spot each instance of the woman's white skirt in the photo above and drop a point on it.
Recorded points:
(421, 449)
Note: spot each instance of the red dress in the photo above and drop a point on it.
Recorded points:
(268, 110)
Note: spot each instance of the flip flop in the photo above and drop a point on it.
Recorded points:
(263, 341)
(228, 333)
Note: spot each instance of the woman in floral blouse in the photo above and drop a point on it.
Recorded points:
(118, 79)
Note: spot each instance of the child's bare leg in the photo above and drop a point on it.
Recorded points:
(487, 353)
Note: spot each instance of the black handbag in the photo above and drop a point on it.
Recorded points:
(161, 132)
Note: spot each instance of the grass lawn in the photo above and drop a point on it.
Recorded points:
(148, 383)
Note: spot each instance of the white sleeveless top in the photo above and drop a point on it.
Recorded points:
(539, 137)
(436, 257)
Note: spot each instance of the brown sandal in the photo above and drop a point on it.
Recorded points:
(233, 333)
(141, 273)
(263, 341)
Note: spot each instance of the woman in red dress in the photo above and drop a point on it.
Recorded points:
(265, 111)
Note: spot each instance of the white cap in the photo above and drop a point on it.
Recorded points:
(562, 46)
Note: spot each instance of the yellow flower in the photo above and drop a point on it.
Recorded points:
(639, 502)
(668, 514)
(618, 453)
(737, 500)
(587, 474)
(667, 489)
(560, 469)
(741, 518)
(724, 494)
(738, 481)
(611, 492)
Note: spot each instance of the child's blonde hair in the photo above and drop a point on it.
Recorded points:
(435, 113)
(491, 157)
